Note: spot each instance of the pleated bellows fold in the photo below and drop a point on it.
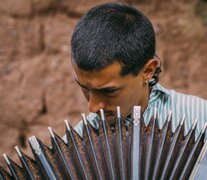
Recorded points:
(135, 151)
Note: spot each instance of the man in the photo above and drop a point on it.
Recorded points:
(113, 56)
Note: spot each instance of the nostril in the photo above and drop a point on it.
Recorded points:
(92, 109)
(101, 105)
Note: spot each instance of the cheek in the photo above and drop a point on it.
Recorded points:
(131, 97)
(122, 100)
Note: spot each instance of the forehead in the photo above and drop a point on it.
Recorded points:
(107, 76)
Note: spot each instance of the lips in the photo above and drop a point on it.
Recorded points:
(108, 114)
(110, 117)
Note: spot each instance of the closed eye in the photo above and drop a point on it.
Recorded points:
(109, 91)
(83, 87)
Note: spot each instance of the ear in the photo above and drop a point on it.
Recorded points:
(149, 69)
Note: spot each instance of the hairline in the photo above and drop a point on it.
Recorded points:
(121, 73)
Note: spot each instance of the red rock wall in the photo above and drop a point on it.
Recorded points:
(37, 89)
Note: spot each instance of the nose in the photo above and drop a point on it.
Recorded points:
(95, 102)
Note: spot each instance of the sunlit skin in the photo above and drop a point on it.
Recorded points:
(107, 88)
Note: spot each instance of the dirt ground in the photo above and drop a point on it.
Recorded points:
(37, 89)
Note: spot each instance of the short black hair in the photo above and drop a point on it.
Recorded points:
(113, 32)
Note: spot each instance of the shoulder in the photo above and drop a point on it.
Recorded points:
(187, 99)
(181, 98)
(183, 105)
(189, 106)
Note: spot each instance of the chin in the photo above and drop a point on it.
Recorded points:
(110, 119)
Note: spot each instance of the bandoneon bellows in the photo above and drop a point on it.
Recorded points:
(136, 151)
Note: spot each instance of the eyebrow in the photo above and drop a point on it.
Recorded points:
(99, 89)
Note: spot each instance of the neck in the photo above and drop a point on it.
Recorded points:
(145, 101)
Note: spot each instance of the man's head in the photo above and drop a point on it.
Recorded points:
(113, 48)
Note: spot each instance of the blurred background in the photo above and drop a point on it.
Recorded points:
(37, 89)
